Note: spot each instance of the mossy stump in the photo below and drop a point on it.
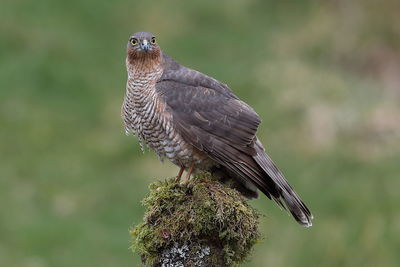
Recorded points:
(201, 223)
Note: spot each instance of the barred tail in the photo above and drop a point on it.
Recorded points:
(284, 191)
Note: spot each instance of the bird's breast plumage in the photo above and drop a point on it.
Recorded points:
(145, 115)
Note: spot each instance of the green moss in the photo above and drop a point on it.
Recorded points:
(203, 211)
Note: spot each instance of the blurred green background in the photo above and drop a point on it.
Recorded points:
(323, 75)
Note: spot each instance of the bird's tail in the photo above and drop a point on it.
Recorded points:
(297, 208)
(285, 192)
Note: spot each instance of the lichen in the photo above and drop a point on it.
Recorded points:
(203, 219)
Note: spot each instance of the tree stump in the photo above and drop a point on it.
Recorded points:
(201, 223)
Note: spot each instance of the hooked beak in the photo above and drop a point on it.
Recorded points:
(145, 45)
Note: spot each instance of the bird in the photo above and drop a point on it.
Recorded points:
(199, 124)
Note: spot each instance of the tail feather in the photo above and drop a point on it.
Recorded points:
(285, 192)
(257, 171)
(298, 209)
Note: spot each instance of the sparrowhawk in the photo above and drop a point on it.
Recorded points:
(198, 123)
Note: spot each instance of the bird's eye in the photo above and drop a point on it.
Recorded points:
(134, 41)
(153, 40)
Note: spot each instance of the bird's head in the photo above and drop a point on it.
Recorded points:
(142, 45)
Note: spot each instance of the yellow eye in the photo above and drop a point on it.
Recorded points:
(134, 41)
(153, 40)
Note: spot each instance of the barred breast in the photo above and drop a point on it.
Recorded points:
(145, 116)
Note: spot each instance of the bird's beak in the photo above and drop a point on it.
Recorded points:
(145, 45)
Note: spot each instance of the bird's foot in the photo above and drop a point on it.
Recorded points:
(184, 181)
(187, 177)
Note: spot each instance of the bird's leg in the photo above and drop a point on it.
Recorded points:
(178, 177)
(189, 172)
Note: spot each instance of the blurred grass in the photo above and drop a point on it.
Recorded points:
(324, 76)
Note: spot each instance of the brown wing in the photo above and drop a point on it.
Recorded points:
(209, 119)
(221, 126)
